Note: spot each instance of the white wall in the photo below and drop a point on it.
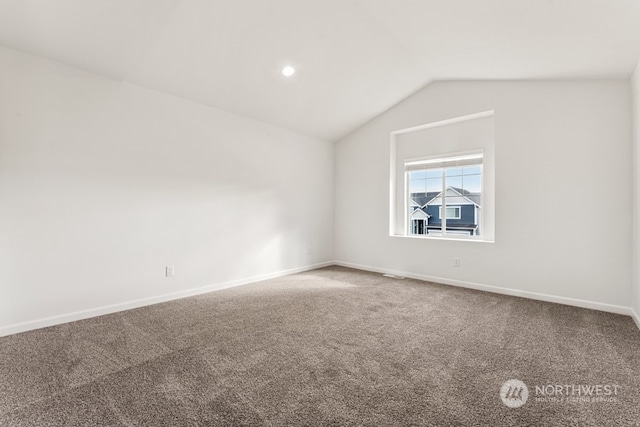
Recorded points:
(103, 184)
(635, 93)
(561, 148)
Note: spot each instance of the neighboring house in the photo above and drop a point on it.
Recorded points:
(462, 210)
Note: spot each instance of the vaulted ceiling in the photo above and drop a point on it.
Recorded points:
(354, 58)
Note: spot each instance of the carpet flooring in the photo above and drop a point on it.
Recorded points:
(332, 346)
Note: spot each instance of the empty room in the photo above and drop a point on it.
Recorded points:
(319, 213)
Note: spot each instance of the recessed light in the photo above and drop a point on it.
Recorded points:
(288, 71)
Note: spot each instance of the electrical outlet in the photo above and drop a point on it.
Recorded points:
(456, 262)
(169, 271)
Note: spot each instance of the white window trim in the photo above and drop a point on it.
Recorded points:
(393, 170)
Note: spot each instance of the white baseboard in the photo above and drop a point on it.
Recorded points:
(618, 309)
(99, 311)
(636, 317)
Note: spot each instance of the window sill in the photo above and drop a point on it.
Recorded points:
(454, 239)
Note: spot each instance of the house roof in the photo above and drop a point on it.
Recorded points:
(473, 197)
(423, 199)
(354, 59)
(419, 214)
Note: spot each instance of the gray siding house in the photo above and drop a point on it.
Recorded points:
(462, 210)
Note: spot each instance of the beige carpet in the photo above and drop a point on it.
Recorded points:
(328, 347)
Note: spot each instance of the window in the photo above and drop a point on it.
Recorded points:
(453, 212)
(442, 179)
(453, 182)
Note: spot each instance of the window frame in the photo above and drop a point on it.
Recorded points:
(441, 161)
(398, 221)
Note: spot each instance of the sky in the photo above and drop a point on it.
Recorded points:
(425, 181)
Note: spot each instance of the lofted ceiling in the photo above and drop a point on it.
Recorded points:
(354, 58)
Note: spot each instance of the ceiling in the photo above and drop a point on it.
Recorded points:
(354, 58)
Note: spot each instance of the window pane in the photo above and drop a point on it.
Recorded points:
(434, 185)
(471, 170)
(417, 186)
(455, 182)
(434, 173)
(453, 172)
(472, 183)
(417, 175)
